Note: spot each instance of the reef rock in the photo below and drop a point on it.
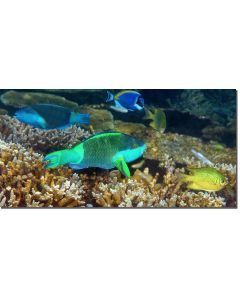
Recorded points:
(20, 99)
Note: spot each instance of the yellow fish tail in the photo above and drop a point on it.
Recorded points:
(148, 114)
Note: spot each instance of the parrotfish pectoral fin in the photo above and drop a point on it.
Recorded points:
(31, 117)
(118, 107)
(110, 97)
(122, 166)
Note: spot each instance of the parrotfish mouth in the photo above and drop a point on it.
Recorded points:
(52, 160)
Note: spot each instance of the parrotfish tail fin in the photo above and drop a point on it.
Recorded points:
(80, 118)
(57, 158)
(110, 97)
(122, 166)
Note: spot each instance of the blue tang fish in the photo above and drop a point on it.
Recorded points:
(50, 116)
(126, 101)
(104, 150)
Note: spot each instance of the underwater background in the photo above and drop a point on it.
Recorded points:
(183, 129)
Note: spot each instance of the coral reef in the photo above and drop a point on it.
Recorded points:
(155, 180)
(171, 148)
(145, 190)
(208, 103)
(42, 141)
(221, 134)
(100, 119)
(25, 183)
(3, 111)
(136, 129)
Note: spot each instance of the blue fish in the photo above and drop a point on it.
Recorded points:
(126, 101)
(50, 116)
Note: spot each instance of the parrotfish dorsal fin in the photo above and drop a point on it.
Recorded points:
(122, 166)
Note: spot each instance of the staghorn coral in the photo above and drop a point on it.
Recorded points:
(43, 141)
(20, 99)
(145, 190)
(25, 183)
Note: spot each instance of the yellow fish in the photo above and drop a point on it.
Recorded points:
(158, 118)
(205, 179)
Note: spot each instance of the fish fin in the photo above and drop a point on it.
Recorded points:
(79, 118)
(122, 166)
(118, 107)
(63, 127)
(148, 114)
(138, 107)
(163, 121)
(153, 125)
(75, 166)
(29, 116)
(110, 97)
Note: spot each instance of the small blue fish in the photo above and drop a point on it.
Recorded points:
(50, 116)
(126, 101)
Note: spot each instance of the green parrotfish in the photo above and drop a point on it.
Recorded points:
(105, 150)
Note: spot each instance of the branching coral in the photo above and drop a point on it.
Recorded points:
(177, 147)
(144, 190)
(43, 141)
(25, 183)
